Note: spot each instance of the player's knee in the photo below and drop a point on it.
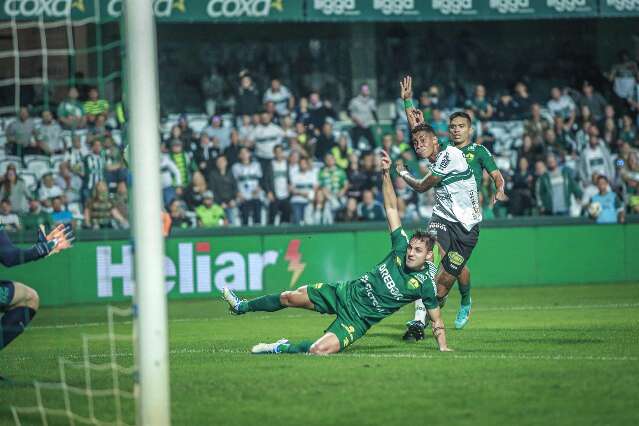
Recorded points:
(285, 298)
(33, 299)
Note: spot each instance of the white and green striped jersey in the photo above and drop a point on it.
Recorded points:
(456, 197)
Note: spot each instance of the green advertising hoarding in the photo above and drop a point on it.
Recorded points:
(619, 8)
(441, 10)
(198, 267)
(165, 10)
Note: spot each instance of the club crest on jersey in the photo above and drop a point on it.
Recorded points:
(455, 258)
(469, 156)
(413, 284)
(318, 286)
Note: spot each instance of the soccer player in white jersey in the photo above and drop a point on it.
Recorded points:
(457, 213)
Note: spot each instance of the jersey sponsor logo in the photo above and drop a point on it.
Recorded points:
(336, 7)
(395, 7)
(389, 282)
(349, 329)
(195, 267)
(413, 284)
(455, 258)
(511, 6)
(371, 294)
(623, 5)
(318, 286)
(444, 162)
(569, 5)
(46, 8)
(454, 7)
(433, 226)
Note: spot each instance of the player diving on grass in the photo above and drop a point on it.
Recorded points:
(18, 302)
(456, 177)
(403, 276)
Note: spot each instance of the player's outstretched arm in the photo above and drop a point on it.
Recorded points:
(58, 239)
(419, 185)
(413, 115)
(439, 332)
(390, 198)
(500, 184)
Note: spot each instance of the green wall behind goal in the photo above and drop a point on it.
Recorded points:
(196, 266)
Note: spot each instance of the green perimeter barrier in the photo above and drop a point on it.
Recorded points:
(254, 260)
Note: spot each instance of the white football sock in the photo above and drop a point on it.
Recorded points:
(420, 311)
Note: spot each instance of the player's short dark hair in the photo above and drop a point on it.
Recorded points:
(423, 127)
(423, 235)
(461, 114)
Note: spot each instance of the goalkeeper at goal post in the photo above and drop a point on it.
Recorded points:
(402, 277)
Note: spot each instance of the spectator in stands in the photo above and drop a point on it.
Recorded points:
(217, 130)
(610, 135)
(98, 130)
(75, 156)
(589, 191)
(266, 135)
(372, 173)
(425, 105)
(611, 209)
(175, 135)
(35, 217)
(342, 151)
(100, 211)
(248, 99)
(269, 107)
(554, 188)
(630, 177)
(349, 213)
(623, 75)
(70, 111)
(522, 100)
(288, 127)
(121, 199)
(479, 104)
(49, 133)
(95, 106)
(400, 120)
(232, 152)
(209, 214)
(194, 192)
(536, 125)
(325, 142)
(280, 96)
(212, 86)
(187, 135)
(363, 111)
(48, 191)
(319, 111)
(248, 174)
(595, 158)
(182, 161)
(304, 184)
(93, 168)
(593, 100)
(370, 209)
(70, 183)
(628, 132)
(389, 146)
(506, 109)
(179, 219)
(205, 154)
(439, 125)
(278, 188)
(302, 112)
(521, 194)
(15, 190)
(9, 220)
(20, 134)
(171, 179)
(224, 186)
(357, 179)
(114, 169)
(562, 105)
(319, 212)
(333, 182)
(60, 214)
(406, 201)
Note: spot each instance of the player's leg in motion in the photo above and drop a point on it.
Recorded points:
(464, 290)
(20, 304)
(298, 298)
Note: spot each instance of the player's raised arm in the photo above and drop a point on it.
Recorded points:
(439, 331)
(413, 115)
(390, 198)
(58, 239)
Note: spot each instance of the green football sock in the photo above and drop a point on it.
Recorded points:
(296, 348)
(270, 303)
(464, 290)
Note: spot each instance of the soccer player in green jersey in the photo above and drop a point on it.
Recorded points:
(478, 159)
(403, 276)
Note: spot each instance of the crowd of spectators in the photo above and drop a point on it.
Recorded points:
(281, 158)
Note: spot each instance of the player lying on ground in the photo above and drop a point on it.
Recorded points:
(18, 302)
(402, 277)
(456, 215)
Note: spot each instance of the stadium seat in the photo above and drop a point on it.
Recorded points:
(198, 124)
(39, 166)
(55, 162)
(5, 162)
(30, 180)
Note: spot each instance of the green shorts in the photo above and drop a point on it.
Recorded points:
(332, 298)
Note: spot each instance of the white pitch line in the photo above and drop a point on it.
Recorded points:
(265, 317)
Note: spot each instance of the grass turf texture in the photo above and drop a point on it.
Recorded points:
(546, 355)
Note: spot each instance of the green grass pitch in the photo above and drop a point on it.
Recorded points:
(562, 355)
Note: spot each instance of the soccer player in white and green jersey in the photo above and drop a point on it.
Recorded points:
(402, 277)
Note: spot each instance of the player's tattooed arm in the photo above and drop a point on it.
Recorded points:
(390, 198)
(500, 184)
(439, 331)
(419, 185)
